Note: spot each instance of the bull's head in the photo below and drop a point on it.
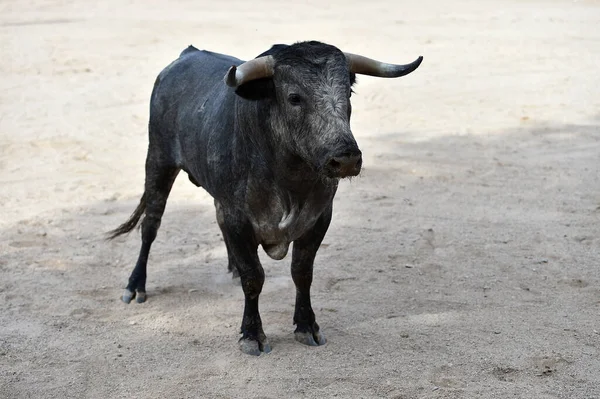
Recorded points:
(309, 85)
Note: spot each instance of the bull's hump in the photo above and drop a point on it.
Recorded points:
(189, 49)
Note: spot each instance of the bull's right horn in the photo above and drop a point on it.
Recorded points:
(366, 66)
(261, 67)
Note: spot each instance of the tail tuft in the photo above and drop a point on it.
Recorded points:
(131, 223)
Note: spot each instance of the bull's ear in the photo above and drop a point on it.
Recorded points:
(258, 89)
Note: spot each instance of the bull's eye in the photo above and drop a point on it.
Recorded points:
(295, 99)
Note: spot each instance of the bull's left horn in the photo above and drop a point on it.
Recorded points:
(366, 66)
(261, 67)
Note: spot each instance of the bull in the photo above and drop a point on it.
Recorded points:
(269, 139)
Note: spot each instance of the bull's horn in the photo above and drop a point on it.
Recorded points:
(366, 66)
(261, 67)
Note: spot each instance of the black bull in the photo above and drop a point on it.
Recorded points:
(270, 152)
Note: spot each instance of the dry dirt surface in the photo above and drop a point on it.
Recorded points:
(463, 263)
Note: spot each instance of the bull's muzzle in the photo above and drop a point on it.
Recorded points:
(345, 164)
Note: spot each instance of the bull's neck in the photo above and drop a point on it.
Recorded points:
(266, 154)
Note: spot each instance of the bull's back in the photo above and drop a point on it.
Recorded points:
(187, 111)
(195, 76)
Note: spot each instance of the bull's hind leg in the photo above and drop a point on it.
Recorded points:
(303, 257)
(159, 180)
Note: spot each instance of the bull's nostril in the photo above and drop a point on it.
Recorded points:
(334, 164)
(347, 163)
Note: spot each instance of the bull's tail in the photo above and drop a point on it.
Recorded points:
(131, 223)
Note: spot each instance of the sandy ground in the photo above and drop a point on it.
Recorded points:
(462, 264)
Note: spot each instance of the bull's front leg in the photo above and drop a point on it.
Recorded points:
(303, 256)
(242, 251)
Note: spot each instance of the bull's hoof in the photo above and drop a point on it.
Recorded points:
(141, 297)
(129, 295)
(254, 347)
(310, 335)
(310, 339)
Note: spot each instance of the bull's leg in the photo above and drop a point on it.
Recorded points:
(159, 180)
(243, 256)
(221, 221)
(303, 256)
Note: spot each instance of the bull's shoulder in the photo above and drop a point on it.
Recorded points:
(193, 54)
(193, 65)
